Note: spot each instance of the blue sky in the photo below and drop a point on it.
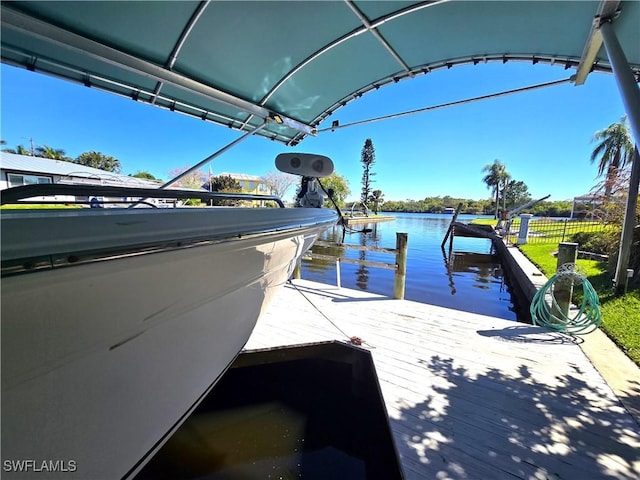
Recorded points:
(542, 136)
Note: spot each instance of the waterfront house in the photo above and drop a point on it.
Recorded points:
(249, 183)
(17, 170)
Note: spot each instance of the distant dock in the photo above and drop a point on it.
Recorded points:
(369, 219)
(470, 396)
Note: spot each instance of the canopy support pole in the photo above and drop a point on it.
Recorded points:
(631, 99)
(624, 77)
(213, 155)
(626, 239)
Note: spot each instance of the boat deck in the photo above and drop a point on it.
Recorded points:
(470, 396)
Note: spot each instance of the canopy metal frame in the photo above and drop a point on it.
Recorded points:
(95, 50)
(408, 39)
(179, 44)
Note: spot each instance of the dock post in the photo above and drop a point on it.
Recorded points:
(450, 229)
(401, 266)
(523, 234)
(562, 291)
(338, 282)
(453, 234)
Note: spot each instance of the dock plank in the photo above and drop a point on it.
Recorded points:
(470, 396)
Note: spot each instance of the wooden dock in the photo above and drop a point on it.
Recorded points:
(470, 396)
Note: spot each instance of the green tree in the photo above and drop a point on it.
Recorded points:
(143, 174)
(496, 175)
(340, 187)
(99, 160)
(376, 198)
(368, 158)
(20, 149)
(516, 194)
(505, 184)
(615, 150)
(226, 184)
(45, 151)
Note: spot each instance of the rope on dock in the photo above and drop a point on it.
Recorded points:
(352, 339)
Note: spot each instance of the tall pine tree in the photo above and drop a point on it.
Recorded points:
(368, 158)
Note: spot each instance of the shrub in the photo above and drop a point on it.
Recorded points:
(594, 242)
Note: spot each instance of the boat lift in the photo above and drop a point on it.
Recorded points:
(504, 223)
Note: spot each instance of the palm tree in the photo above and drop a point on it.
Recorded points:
(496, 175)
(46, 151)
(377, 197)
(615, 151)
(20, 150)
(506, 183)
(109, 164)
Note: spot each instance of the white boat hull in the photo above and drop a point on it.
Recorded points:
(101, 361)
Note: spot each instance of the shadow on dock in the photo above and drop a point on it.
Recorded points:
(471, 396)
(530, 334)
(521, 428)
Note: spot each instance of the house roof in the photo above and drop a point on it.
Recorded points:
(46, 166)
(295, 62)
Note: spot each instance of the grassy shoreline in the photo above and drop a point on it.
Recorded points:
(620, 315)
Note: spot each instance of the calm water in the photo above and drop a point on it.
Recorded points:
(471, 279)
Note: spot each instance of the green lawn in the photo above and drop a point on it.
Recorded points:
(47, 206)
(620, 316)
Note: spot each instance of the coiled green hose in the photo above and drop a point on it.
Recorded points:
(546, 312)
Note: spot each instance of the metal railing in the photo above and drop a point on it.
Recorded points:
(21, 194)
(549, 230)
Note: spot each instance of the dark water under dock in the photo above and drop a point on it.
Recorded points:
(312, 412)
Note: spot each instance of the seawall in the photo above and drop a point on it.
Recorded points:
(525, 278)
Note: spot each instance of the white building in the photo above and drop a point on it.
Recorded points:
(17, 170)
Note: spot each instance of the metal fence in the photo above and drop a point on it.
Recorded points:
(550, 230)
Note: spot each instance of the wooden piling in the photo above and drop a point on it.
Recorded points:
(450, 229)
(401, 265)
(562, 291)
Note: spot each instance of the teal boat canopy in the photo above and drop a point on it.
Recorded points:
(291, 64)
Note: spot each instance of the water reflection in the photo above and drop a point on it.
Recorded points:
(362, 273)
(485, 268)
(470, 278)
(323, 267)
